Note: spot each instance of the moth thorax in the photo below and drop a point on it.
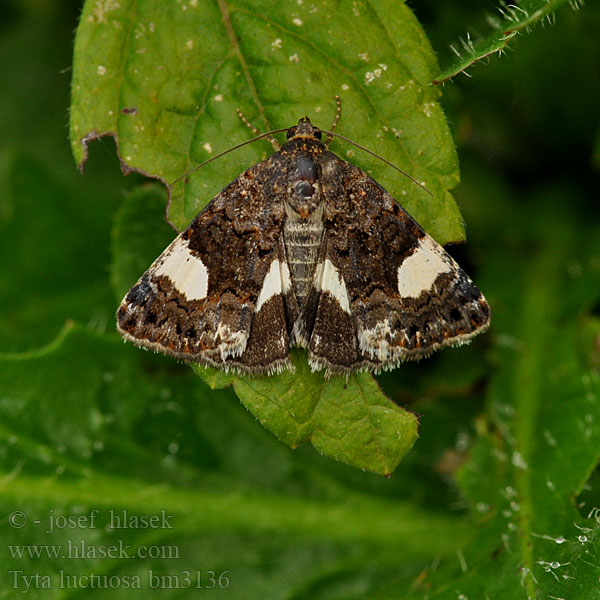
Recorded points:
(302, 239)
(303, 186)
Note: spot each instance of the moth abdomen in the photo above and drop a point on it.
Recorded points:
(302, 242)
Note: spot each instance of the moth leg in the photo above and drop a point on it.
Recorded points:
(255, 131)
(336, 119)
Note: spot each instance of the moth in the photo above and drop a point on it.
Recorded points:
(303, 249)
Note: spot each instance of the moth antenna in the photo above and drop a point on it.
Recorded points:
(255, 131)
(387, 162)
(254, 139)
(338, 112)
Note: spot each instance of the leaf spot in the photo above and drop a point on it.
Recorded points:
(101, 8)
(518, 461)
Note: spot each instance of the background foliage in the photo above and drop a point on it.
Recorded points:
(496, 498)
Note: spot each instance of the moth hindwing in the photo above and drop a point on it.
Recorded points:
(303, 249)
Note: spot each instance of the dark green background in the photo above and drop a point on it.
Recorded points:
(87, 422)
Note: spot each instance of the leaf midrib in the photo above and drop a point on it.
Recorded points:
(224, 8)
(384, 523)
(537, 318)
(332, 61)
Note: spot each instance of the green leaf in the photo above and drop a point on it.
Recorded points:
(349, 420)
(54, 224)
(169, 119)
(509, 21)
(51, 274)
(91, 425)
(139, 235)
(540, 442)
(166, 82)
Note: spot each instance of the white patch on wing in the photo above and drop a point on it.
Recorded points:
(418, 272)
(277, 281)
(186, 271)
(328, 279)
(286, 280)
(233, 343)
(376, 341)
(381, 343)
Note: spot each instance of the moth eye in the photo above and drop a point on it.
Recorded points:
(291, 132)
(317, 134)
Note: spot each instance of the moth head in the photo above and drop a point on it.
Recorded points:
(304, 129)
